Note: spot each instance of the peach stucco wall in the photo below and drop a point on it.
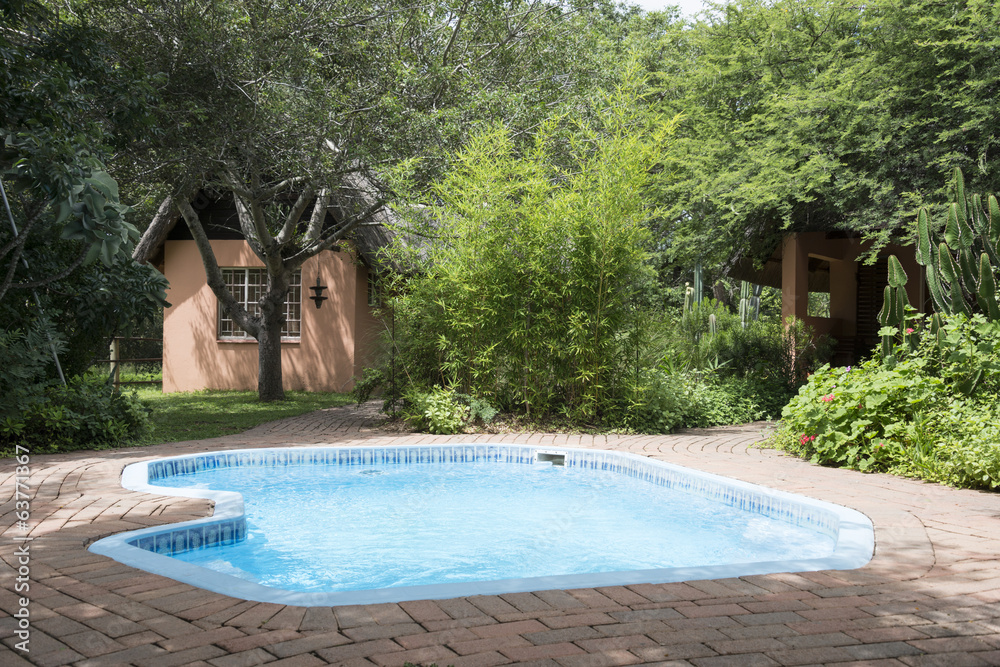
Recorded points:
(326, 357)
(842, 255)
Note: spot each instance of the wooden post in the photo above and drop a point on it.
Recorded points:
(115, 373)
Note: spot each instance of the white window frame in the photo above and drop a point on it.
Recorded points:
(247, 284)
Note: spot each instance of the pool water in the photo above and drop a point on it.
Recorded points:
(351, 528)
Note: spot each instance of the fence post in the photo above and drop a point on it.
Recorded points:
(114, 361)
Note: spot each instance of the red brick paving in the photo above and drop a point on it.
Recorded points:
(930, 596)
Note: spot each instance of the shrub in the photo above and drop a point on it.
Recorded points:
(526, 296)
(929, 409)
(84, 414)
(436, 411)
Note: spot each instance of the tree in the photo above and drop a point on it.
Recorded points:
(298, 109)
(803, 113)
(55, 111)
(63, 104)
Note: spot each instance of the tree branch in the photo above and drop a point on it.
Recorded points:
(291, 221)
(59, 276)
(154, 236)
(252, 222)
(213, 273)
(318, 216)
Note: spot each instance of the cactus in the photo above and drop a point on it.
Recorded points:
(749, 303)
(961, 273)
(961, 269)
(699, 288)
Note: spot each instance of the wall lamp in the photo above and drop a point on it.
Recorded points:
(317, 296)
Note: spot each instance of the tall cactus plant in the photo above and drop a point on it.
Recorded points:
(961, 269)
(749, 303)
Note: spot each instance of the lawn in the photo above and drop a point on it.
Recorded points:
(210, 414)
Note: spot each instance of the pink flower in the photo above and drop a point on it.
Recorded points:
(909, 330)
(827, 398)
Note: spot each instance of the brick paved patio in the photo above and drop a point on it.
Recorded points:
(929, 597)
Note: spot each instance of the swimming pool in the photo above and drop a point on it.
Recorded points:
(234, 539)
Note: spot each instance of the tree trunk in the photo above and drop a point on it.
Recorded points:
(272, 313)
(269, 386)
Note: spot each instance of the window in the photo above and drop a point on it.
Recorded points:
(247, 286)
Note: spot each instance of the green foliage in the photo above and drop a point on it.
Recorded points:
(436, 411)
(525, 298)
(929, 409)
(84, 414)
(61, 102)
(812, 113)
(25, 357)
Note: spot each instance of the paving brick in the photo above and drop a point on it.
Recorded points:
(752, 660)
(255, 656)
(127, 657)
(373, 631)
(307, 660)
(602, 659)
(740, 646)
(531, 652)
(683, 651)
(488, 659)
(200, 639)
(564, 635)
(882, 650)
(614, 643)
(247, 642)
(500, 643)
(492, 605)
(713, 610)
(947, 660)
(950, 645)
(506, 629)
(417, 656)
(352, 616)
(574, 620)
(807, 656)
(526, 602)
(339, 654)
(91, 643)
(174, 659)
(656, 614)
(307, 644)
(318, 618)
(424, 610)
(443, 637)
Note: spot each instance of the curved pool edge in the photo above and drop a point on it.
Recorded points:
(855, 542)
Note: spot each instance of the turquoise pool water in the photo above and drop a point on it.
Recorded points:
(322, 526)
(349, 528)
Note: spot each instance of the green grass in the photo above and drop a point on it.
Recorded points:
(210, 414)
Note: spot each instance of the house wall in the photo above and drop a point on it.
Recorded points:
(323, 359)
(842, 254)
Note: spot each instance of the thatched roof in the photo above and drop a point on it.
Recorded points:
(218, 214)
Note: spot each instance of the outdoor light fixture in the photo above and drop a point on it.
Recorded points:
(317, 296)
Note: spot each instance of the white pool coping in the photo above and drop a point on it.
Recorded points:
(852, 530)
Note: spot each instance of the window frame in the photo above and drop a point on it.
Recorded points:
(228, 331)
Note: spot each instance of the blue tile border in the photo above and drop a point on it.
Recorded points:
(149, 549)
